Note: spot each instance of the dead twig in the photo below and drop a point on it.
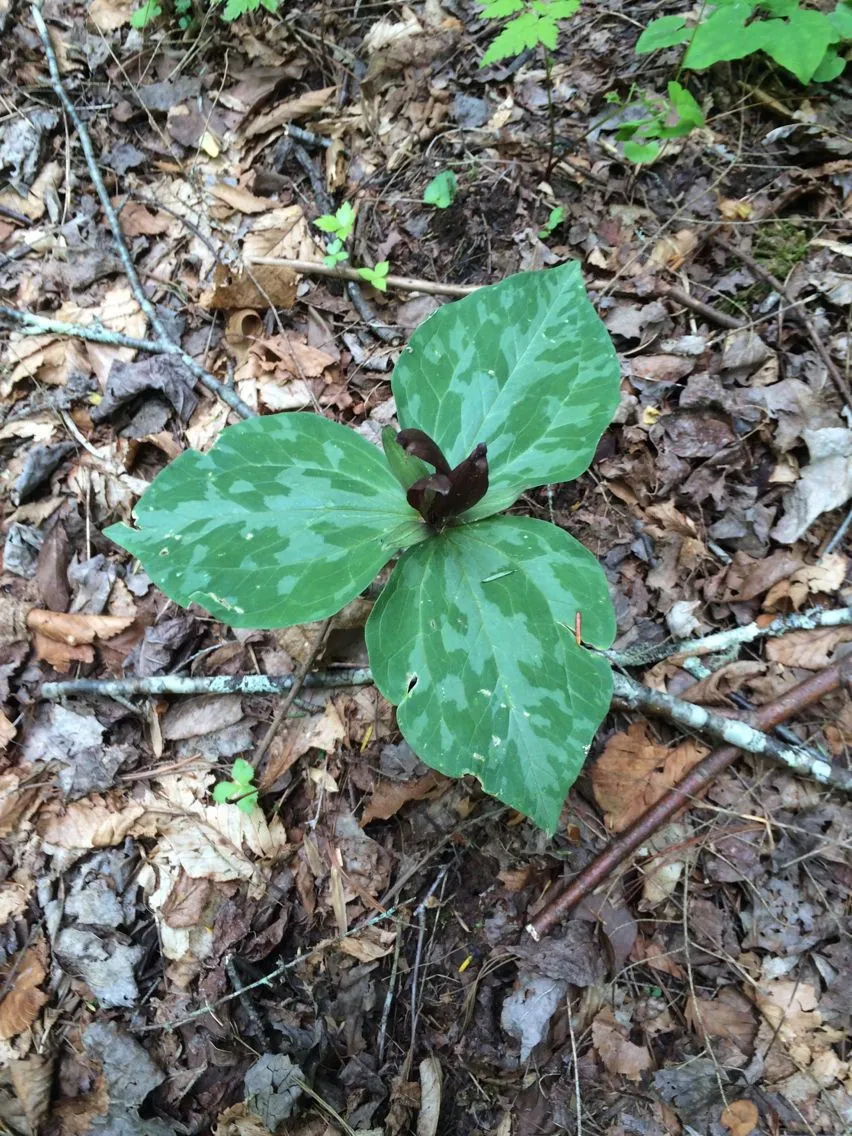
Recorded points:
(404, 283)
(796, 313)
(735, 731)
(680, 796)
(734, 637)
(162, 338)
(293, 693)
(209, 684)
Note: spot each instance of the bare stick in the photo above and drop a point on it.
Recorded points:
(796, 313)
(680, 796)
(734, 731)
(293, 693)
(404, 283)
(210, 684)
(169, 347)
(94, 332)
(735, 636)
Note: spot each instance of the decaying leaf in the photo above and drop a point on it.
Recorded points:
(634, 771)
(618, 1054)
(21, 978)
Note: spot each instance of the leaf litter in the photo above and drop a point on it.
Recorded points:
(708, 987)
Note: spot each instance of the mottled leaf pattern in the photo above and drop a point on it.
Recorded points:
(473, 639)
(527, 368)
(284, 521)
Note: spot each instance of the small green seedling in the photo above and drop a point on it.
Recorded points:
(377, 275)
(667, 116)
(240, 789)
(146, 15)
(151, 10)
(488, 635)
(339, 225)
(236, 8)
(441, 190)
(531, 23)
(799, 39)
(557, 216)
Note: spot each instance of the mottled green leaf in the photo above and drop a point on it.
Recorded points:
(525, 366)
(284, 521)
(473, 639)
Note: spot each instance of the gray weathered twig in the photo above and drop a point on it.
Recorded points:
(731, 730)
(736, 636)
(210, 684)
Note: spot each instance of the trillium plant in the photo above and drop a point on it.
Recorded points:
(484, 636)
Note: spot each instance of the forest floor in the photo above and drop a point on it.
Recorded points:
(706, 985)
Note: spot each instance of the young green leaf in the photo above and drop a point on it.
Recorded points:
(525, 366)
(147, 14)
(441, 190)
(377, 275)
(667, 31)
(557, 216)
(284, 521)
(641, 152)
(470, 638)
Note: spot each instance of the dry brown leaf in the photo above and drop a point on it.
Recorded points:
(634, 772)
(17, 802)
(76, 628)
(60, 639)
(24, 973)
(109, 15)
(747, 578)
(809, 649)
(671, 252)
(241, 199)
(370, 945)
(729, 1015)
(261, 286)
(617, 1053)
(714, 690)
(282, 232)
(740, 1117)
(827, 576)
(32, 1080)
(138, 220)
(186, 901)
(388, 797)
(320, 731)
(93, 822)
(288, 111)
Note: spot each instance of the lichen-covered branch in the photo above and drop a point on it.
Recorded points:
(735, 637)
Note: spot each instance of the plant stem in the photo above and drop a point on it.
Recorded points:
(551, 113)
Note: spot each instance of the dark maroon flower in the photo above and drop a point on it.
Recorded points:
(446, 493)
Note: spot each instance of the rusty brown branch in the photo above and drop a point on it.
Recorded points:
(679, 796)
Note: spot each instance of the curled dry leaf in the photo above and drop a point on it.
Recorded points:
(22, 976)
(827, 576)
(60, 638)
